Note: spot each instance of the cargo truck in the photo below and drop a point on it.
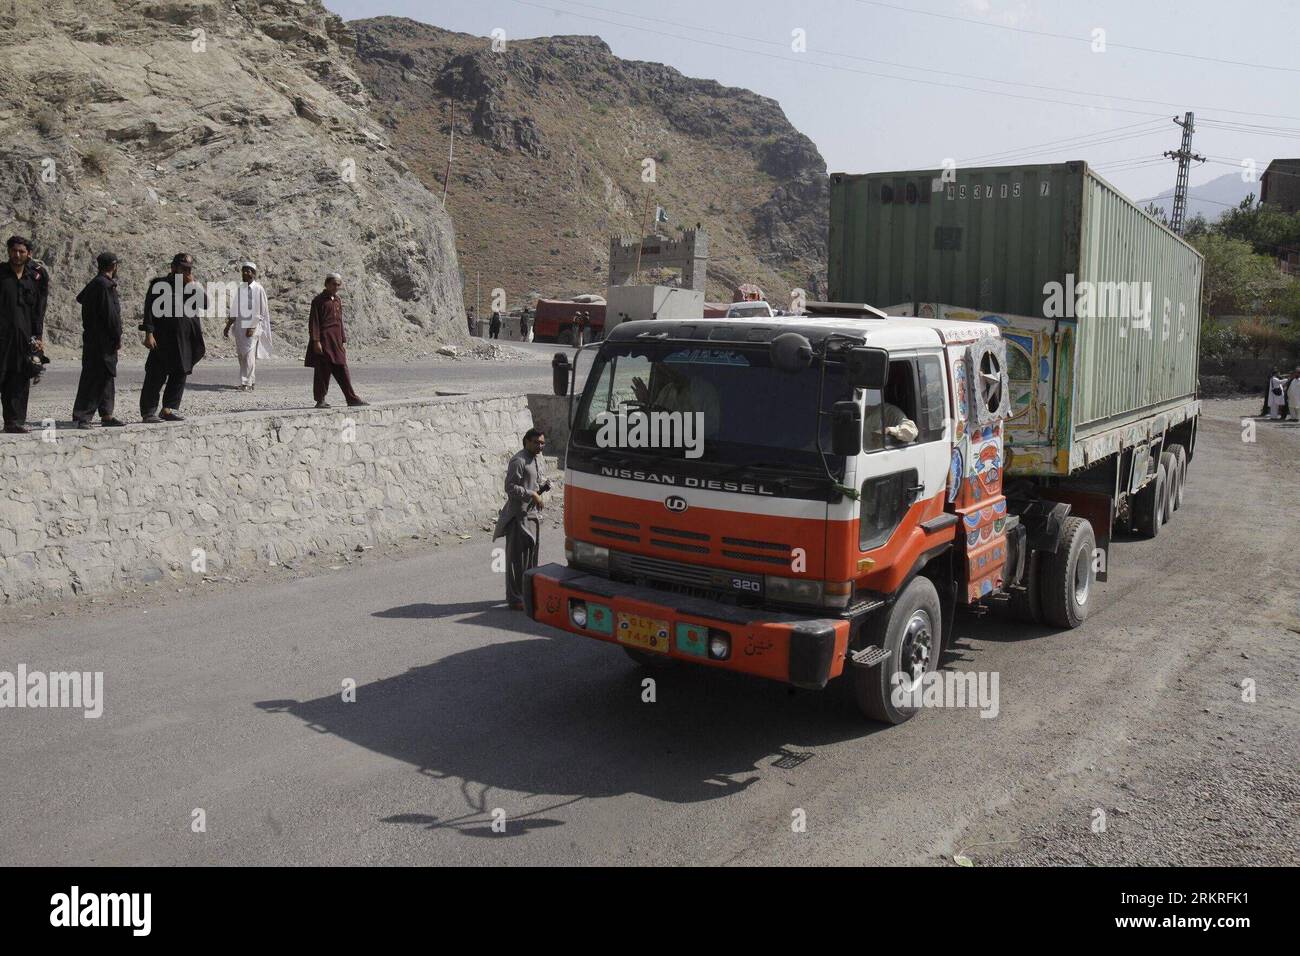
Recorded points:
(860, 476)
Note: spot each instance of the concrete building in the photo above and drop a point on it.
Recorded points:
(689, 253)
(1280, 185)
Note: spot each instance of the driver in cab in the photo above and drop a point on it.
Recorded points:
(672, 391)
(881, 411)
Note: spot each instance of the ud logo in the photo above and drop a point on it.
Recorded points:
(675, 504)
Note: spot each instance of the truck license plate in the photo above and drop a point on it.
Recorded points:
(646, 633)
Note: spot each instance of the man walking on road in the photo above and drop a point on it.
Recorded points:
(326, 350)
(101, 340)
(251, 316)
(22, 312)
(494, 325)
(520, 517)
(173, 334)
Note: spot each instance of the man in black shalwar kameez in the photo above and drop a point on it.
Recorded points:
(22, 314)
(173, 334)
(101, 340)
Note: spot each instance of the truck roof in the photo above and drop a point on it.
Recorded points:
(893, 333)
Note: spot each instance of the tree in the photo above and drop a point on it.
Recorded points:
(1266, 228)
(1198, 225)
(1157, 212)
(1236, 280)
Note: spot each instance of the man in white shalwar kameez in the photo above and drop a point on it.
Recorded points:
(251, 313)
(1276, 397)
(1293, 396)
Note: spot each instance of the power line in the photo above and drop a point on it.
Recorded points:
(964, 75)
(1020, 150)
(1078, 39)
(805, 61)
(1085, 143)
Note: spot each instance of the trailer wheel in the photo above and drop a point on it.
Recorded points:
(1170, 462)
(1027, 604)
(912, 633)
(1067, 576)
(1177, 495)
(1148, 505)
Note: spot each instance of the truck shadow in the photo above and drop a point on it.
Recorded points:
(1003, 628)
(560, 717)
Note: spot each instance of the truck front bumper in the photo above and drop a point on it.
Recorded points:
(803, 651)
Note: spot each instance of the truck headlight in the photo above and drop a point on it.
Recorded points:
(793, 590)
(588, 555)
(807, 591)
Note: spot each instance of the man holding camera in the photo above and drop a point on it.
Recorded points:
(520, 517)
(23, 289)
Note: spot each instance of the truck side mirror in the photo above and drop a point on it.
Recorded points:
(868, 368)
(846, 429)
(561, 374)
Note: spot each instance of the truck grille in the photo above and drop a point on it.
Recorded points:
(690, 579)
(660, 569)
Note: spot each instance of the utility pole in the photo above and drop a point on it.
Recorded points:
(636, 276)
(1184, 155)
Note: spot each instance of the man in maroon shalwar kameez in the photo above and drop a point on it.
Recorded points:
(326, 351)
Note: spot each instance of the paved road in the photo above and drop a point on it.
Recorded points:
(287, 385)
(219, 370)
(230, 702)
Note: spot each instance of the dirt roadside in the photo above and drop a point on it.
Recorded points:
(1171, 765)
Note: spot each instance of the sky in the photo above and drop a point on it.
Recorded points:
(907, 84)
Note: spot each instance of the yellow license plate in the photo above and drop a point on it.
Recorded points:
(644, 632)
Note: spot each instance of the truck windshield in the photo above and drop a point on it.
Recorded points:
(750, 413)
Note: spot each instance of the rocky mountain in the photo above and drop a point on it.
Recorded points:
(550, 139)
(230, 129)
(1214, 197)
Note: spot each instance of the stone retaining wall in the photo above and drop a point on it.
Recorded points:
(98, 511)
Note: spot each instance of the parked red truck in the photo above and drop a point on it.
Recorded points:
(559, 320)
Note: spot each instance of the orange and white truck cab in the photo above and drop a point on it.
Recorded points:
(794, 498)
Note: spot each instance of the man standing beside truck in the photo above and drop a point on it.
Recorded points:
(520, 517)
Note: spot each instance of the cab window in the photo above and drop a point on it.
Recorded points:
(913, 398)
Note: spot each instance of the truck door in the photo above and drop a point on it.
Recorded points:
(903, 480)
(981, 407)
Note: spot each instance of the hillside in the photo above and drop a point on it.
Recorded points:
(1213, 197)
(230, 129)
(550, 135)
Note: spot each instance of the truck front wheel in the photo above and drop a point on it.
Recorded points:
(1067, 575)
(912, 633)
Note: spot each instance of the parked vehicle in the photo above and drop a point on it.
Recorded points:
(749, 309)
(561, 320)
(860, 477)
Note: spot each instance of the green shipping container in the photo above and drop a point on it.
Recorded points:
(1099, 302)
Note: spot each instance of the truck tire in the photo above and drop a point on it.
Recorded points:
(912, 633)
(1171, 483)
(1148, 505)
(1067, 576)
(1181, 454)
(1026, 604)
